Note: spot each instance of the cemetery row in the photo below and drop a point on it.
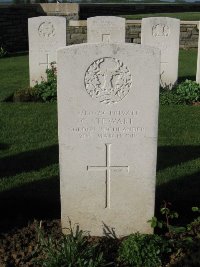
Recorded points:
(47, 34)
(108, 100)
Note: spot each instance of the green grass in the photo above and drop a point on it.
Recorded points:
(178, 168)
(28, 143)
(188, 16)
(14, 71)
(29, 183)
(14, 75)
(187, 64)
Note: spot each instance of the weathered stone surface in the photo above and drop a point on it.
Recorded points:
(184, 35)
(76, 38)
(105, 29)
(163, 33)
(133, 30)
(194, 38)
(108, 97)
(46, 35)
(137, 40)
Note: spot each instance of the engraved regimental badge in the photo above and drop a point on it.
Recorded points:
(108, 80)
(46, 29)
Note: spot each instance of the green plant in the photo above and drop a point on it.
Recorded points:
(188, 92)
(72, 250)
(168, 214)
(182, 240)
(3, 52)
(172, 232)
(141, 250)
(47, 90)
(168, 97)
(188, 243)
(194, 227)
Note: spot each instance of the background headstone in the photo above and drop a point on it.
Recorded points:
(108, 96)
(163, 33)
(198, 61)
(46, 34)
(106, 29)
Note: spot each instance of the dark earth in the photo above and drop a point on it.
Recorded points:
(19, 247)
(22, 210)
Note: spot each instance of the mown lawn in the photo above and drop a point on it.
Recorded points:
(29, 183)
(178, 166)
(14, 71)
(29, 174)
(187, 64)
(14, 75)
(188, 16)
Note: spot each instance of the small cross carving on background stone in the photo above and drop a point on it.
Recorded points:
(47, 63)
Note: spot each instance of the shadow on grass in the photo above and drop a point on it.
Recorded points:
(173, 155)
(182, 79)
(183, 193)
(16, 54)
(37, 159)
(28, 161)
(4, 146)
(9, 98)
(37, 200)
(41, 199)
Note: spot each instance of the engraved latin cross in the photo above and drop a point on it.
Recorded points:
(47, 63)
(108, 168)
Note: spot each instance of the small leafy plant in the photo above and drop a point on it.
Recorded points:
(142, 250)
(168, 97)
(47, 90)
(183, 241)
(188, 92)
(168, 215)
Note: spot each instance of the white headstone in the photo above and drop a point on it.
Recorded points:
(163, 33)
(46, 34)
(198, 61)
(108, 96)
(106, 29)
